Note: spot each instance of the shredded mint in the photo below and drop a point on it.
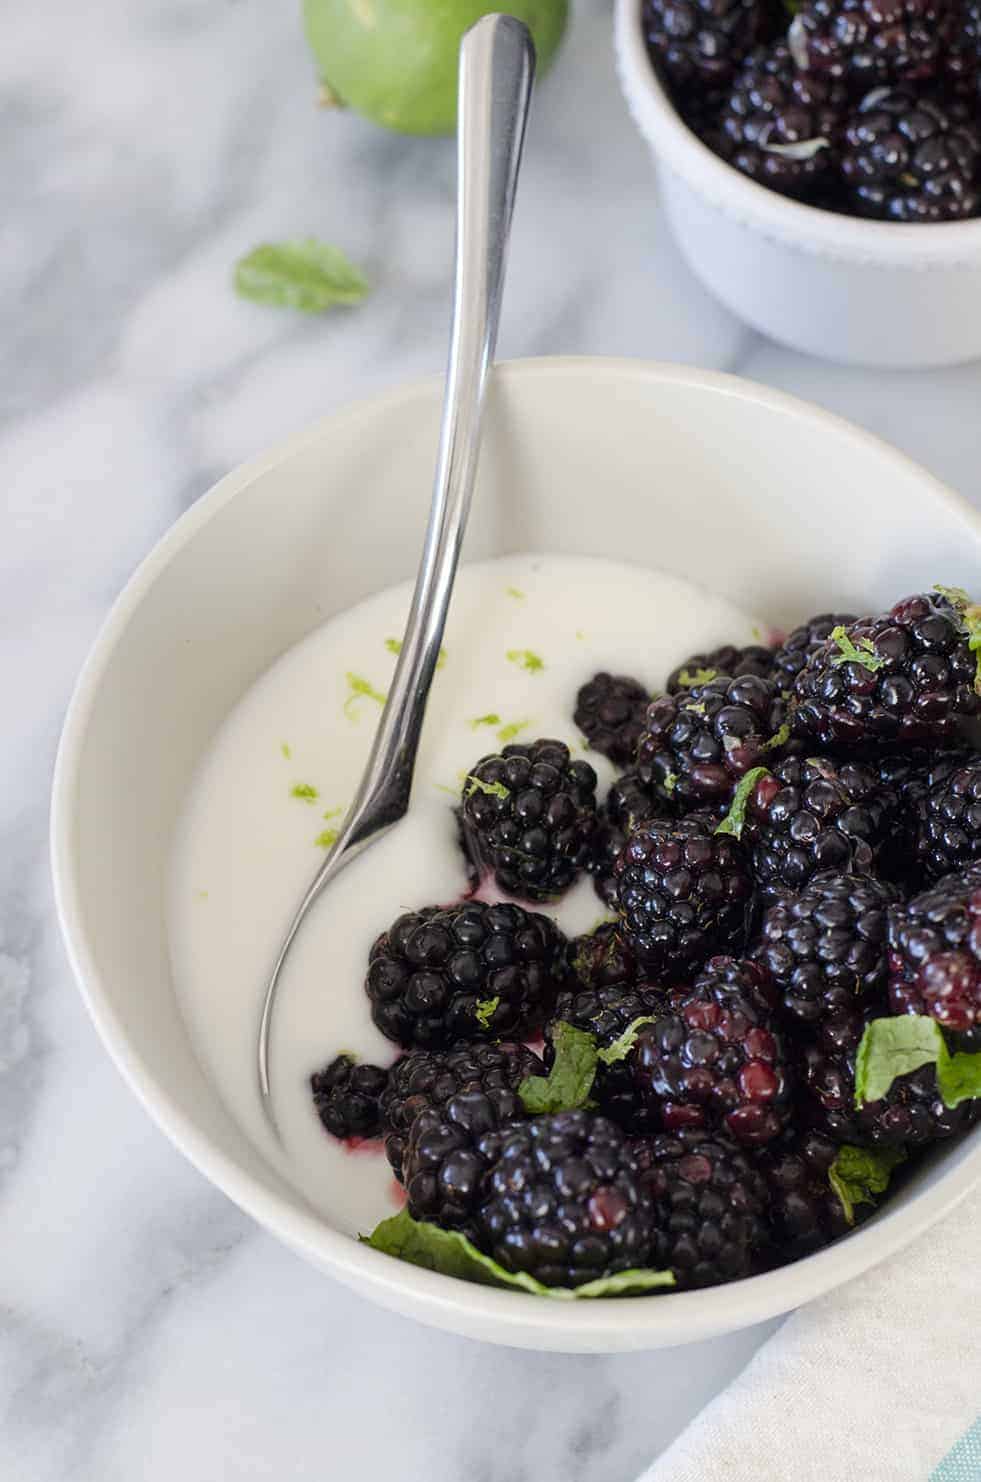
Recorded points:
(486, 1009)
(860, 1175)
(327, 838)
(513, 728)
(308, 275)
(452, 1254)
(568, 1084)
(779, 738)
(526, 658)
(492, 789)
(490, 719)
(687, 678)
(621, 1047)
(360, 688)
(735, 819)
(516, 593)
(970, 615)
(285, 749)
(899, 1045)
(305, 791)
(848, 653)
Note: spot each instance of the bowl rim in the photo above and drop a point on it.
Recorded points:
(810, 228)
(601, 1324)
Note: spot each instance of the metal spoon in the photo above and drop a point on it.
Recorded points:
(497, 64)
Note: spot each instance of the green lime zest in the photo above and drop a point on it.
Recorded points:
(492, 789)
(394, 646)
(513, 728)
(670, 782)
(580, 635)
(779, 738)
(624, 1043)
(860, 1175)
(516, 593)
(307, 275)
(899, 1045)
(305, 791)
(696, 707)
(970, 615)
(490, 719)
(568, 1085)
(286, 749)
(327, 838)
(864, 653)
(687, 678)
(442, 787)
(735, 819)
(486, 1009)
(360, 688)
(526, 658)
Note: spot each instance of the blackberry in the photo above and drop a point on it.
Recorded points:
(798, 646)
(347, 1097)
(910, 776)
(772, 106)
(826, 947)
(914, 683)
(472, 971)
(599, 959)
(727, 659)
(814, 814)
(935, 956)
(905, 158)
(528, 816)
(723, 976)
(428, 1080)
(910, 1115)
(805, 1212)
(697, 745)
(715, 1062)
(948, 831)
(701, 42)
(710, 1206)
(682, 892)
(629, 802)
(869, 42)
(610, 711)
(564, 1201)
(606, 1012)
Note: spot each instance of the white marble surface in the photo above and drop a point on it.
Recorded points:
(147, 1329)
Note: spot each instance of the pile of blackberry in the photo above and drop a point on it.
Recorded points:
(869, 110)
(791, 851)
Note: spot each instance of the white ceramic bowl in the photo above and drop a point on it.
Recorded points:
(870, 292)
(780, 506)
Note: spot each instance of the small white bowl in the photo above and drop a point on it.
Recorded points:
(868, 292)
(779, 506)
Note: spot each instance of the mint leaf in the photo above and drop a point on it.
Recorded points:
(687, 678)
(970, 615)
(492, 789)
(306, 275)
(486, 1009)
(859, 1175)
(864, 654)
(569, 1082)
(452, 1254)
(900, 1045)
(959, 1078)
(735, 819)
(624, 1043)
(305, 791)
(526, 659)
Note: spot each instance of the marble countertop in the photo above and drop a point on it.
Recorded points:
(148, 1329)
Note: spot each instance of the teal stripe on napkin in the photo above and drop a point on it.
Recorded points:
(963, 1463)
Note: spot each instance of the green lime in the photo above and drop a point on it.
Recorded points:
(395, 60)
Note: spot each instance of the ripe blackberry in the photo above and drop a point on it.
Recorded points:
(564, 1201)
(599, 959)
(727, 659)
(428, 1080)
(798, 646)
(772, 106)
(473, 971)
(629, 802)
(910, 1115)
(805, 1212)
(869, 42)
(701, 42)
(347, 1097)
(721, 977)
(935, 955)
(910, 776)
(528, 816)
(905, 158)
(610, 712)
(912, 684)
(826, 947)
(697, 745)
(606, 1012)
(814, 814)
(710, 1206)
(715, 1062)
(682, 892)
(948, 828)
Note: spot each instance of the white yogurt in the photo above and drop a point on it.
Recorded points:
(246, 845)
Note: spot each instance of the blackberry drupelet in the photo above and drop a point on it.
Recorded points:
(825, 948)
(948, 830)
(427, 1080)
(599, 959)
(347, 1097)
(701, 42)
(564, 1201)
(814, 814)
(472, 971)
(907, 158)
(629, 803)
(528, 816)
(606, 1012)
(722, 976)
(710, 1206)
(935, 956)
(805, 1212)
(871, 42)
(717, 1063)
(727, 659)
(909, 680)
(610, 712)
(798, 646)
(682, 893)
(772, 112)
(698, 744)
(910, 1115)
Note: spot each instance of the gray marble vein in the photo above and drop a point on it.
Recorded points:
(147, 1329)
